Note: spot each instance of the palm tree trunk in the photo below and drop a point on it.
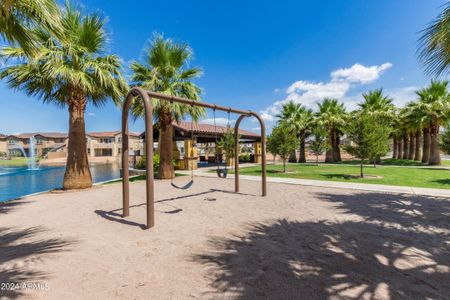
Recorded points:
(165, 170)
(329, 153)
(412, 145)
(361, 169)
(405, 147)
(293, 157)
(335, 146)
(399, 148)
(426, 145)
(338, 148)
(435, 156)
(394, 148)
(302, 158)
(417, 150)
(77, 175)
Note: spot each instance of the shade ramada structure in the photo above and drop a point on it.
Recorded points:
(204, 133)
(137, 93)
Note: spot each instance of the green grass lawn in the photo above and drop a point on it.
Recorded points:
(395, 162)
(410, 176)
(16, 162)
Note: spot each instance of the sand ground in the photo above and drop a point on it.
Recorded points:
(297, 243)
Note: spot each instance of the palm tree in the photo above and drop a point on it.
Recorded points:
(70, 71)
(396, 136)
(434, 44)
(18, 16)
(377, 104)
(414, 121)
(434, 105)
(331, 115)
(298, 119)
(165, 70)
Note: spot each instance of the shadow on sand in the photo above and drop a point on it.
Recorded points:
(115, 216)
(19, 246)
(392, 247)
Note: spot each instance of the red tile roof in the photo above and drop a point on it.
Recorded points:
(52, 135)
(210, 129)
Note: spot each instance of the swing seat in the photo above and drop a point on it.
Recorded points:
(222, 173)
(183, 187)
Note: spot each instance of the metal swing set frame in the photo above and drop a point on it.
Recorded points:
(146, 97)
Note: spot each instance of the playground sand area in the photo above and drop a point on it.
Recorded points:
(210, 243)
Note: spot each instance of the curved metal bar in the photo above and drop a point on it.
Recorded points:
(136, 91)
(263, 152)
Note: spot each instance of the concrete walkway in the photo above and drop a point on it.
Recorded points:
(204, 172)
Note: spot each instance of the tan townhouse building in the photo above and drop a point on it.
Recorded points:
(109, 143)
(3, 145)
(45, 142)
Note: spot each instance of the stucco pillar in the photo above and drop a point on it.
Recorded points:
(190, 155)
(258, 152)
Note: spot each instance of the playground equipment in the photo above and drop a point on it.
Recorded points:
(146, 98)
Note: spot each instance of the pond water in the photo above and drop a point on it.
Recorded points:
(19, 181)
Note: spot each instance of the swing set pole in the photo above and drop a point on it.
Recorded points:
(197, 103)
(146, 98)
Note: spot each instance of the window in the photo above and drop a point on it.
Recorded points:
(119, 150)
(106, 140)
(12, 142)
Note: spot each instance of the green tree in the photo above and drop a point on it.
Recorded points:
(319, 144)
(380, 107)
(18, 17)
(332, 116)
(227, 144)
(434, 106)
(445, 140)
(368, 137)
(298, 119)
(71, 71)
(165, 70)
(434, 44)
(282, 142)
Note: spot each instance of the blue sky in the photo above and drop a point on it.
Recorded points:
(258, 54)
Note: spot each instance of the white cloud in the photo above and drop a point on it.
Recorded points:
(219, 121)
(91, 114)
(403, 95)
(309, 93)
(359, 73)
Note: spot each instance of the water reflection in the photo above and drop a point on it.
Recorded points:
(17, 182)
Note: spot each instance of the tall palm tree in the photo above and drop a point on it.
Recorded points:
(165, 70)
(380, 106)
(70, 71)
(396, 135)
(331, 115)
(298, 119)
(18, 16)
(434, 105)
(375, 102)
(434, 44)
(414, 121)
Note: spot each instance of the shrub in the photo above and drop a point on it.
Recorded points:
(246, 157)
(140, 164)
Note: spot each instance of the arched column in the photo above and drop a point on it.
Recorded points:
(263, 151)
(136, 91)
